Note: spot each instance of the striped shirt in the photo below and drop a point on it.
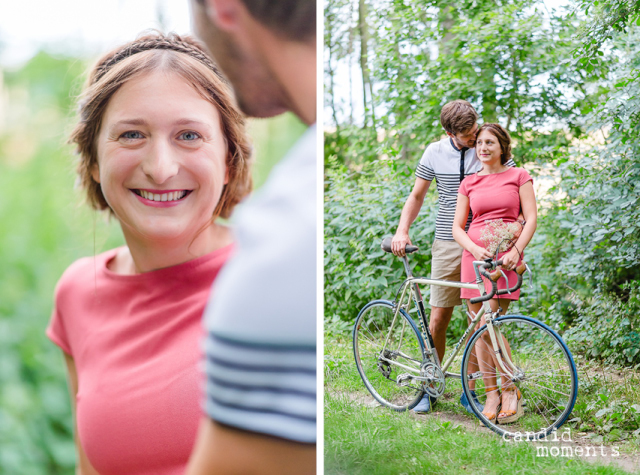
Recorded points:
(441, 160)
(262, 387)
(261, 318)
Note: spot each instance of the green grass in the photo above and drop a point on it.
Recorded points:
(362, 437)
(362, 440)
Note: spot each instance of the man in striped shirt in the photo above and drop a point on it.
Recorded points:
(448, 161)
(260, 347)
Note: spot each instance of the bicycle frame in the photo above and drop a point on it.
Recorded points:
(411, 291)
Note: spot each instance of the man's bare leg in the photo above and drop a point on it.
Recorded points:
(440, 319)
(438, 324)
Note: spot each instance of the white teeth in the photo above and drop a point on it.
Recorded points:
(173, 196)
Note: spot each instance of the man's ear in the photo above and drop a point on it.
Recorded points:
(451, 136)
(223, 13)
(95, 173)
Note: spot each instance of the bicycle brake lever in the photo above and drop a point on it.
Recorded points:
(505, 278)
(526, 266)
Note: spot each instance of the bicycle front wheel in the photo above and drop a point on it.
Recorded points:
(543, 371)
(388, 353)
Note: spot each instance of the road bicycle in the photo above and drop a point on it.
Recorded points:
(399, 364)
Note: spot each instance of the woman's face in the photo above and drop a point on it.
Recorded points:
(161, 158)
(488, 148)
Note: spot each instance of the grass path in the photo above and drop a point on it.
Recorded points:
(452, 423)
(361, 437)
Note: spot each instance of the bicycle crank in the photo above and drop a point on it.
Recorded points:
(434, 384)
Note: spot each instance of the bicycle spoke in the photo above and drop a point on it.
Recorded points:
(387, 357)
(549, 389)
(543, 371)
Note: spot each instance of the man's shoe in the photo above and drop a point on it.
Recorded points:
(424, 406)
(465, 402)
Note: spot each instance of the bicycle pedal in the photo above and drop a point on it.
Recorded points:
(403, 379)
(474, 376)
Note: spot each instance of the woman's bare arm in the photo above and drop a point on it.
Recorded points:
(530, 213)
(461, 237)
(83, 467)
(222, 450)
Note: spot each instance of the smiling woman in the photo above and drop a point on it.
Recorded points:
(193, 136)
(163, 149)
(162, 167)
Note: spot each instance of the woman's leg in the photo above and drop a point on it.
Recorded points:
(473, 359)
(509, 394)
(487, 366)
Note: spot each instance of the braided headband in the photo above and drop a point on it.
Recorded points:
(175, 44)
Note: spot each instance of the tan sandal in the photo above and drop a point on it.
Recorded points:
(492, 416)
(509, 416)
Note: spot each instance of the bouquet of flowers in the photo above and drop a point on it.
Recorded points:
(498, 236)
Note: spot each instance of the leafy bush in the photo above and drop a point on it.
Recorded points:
(361, 208)
(608, 328)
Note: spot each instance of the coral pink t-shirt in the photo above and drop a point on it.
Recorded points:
(135, 340)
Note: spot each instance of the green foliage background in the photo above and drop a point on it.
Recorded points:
(43, 228)
(566, 84)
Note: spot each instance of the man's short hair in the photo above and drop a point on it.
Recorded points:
(458, 116)
(295, 19)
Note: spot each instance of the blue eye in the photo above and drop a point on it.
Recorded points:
(189, 136)
(131, 135)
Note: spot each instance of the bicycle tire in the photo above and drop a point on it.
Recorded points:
(548, 382)
(370, 332)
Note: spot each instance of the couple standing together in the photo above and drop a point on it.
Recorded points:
(486, 206)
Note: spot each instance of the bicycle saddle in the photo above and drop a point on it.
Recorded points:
(386, 246)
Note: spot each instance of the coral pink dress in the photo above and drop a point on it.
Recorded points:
(495, 206)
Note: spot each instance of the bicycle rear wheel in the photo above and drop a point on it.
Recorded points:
(387, 353)
(545, 375)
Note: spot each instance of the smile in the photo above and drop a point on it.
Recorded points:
(162, 196)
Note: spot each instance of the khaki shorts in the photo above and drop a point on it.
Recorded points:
(446, 260)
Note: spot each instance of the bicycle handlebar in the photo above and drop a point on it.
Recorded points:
(493, 278)
(386, 246)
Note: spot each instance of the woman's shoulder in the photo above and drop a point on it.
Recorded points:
(468, 182)
(84, 270)
(518, 170)
(522, 175)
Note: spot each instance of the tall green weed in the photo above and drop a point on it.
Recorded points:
(361, 208)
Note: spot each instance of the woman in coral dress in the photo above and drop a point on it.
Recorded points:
(496, 196)
(163, 149)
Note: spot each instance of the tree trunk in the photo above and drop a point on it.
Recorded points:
(489, 97)
(400, 117)
(352, 34)
(366, 80)
(448, 17)
(329, 29)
